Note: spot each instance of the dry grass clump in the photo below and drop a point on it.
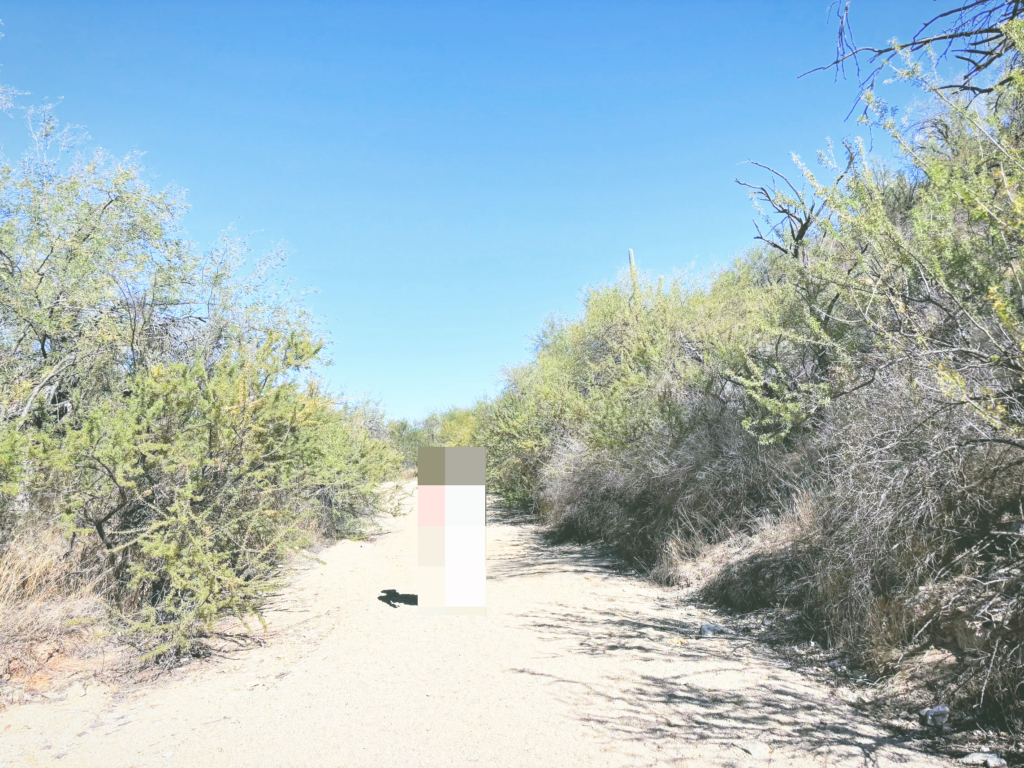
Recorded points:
(770, 568)
(910, 540)
(694, 479)
(47, 605)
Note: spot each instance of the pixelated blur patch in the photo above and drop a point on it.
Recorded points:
(451, 524)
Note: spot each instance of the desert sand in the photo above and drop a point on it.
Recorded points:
(576, 663)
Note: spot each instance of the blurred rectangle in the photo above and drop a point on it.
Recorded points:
(451, 524)
(464, 466)
(430, 505)
(464, 505)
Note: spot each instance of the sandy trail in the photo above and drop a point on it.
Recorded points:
(575, 664)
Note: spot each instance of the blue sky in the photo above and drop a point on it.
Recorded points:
(447, 175)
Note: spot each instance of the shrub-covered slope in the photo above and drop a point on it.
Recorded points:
(856, 381)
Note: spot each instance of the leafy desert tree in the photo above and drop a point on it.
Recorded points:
(158, 402)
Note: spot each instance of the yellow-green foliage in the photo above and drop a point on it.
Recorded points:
(458, 426)
(453, 428)
(865, 363)
(159, 406)
(641, 350)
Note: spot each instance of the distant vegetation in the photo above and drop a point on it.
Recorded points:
(453, 428)
(842, 409)
(163, 440)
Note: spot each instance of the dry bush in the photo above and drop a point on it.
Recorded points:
(694, 480)
(905, 487)
(46, 603)
(907, 537)
(771, 568)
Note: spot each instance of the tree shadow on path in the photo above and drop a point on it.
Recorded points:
(629, 661)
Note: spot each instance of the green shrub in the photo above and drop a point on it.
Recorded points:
(861, 372)
(453, 428)
(158, 404)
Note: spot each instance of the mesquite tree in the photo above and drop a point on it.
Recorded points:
(158, 402)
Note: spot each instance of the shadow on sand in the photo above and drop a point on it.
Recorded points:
(394, 598)
(729, 694)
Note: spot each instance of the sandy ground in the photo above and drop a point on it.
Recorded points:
(575, 664)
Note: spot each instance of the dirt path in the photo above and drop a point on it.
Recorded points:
(574, 665)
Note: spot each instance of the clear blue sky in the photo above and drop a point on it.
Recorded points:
(448, 174)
